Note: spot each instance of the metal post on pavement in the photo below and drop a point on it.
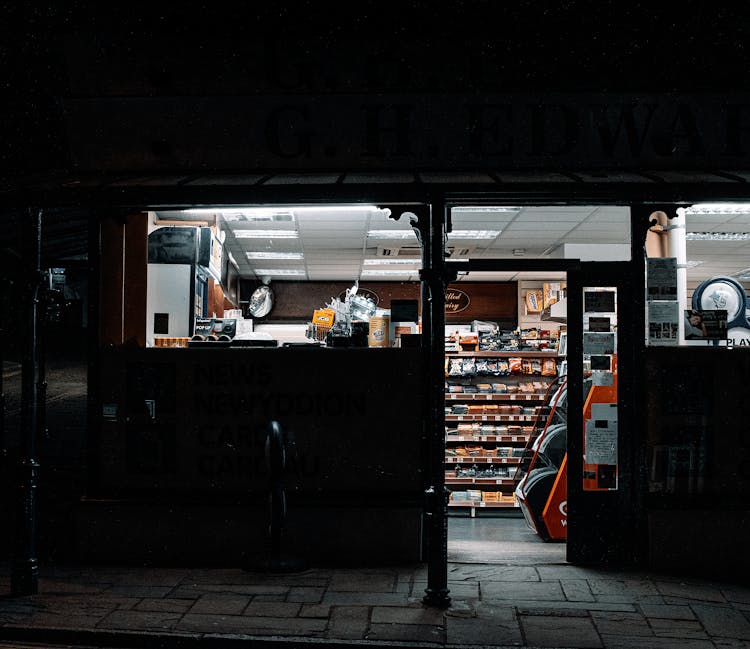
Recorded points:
(278, 444)
(435, 278)
(3, 451)
(24, 578)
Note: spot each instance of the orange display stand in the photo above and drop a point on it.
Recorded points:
(554, 518)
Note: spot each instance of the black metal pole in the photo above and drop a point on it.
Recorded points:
(3, 451)
(24, 578)
(41, 356)
(436, 593)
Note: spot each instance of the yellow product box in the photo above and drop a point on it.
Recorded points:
(553, 292)
(324, 317)
(534, 301)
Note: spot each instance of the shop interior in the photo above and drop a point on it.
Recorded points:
(348, 275)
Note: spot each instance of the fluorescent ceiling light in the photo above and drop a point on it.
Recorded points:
(692, 263)
(273, 255)
(473, 234)
(392, 262)
(392, 234)
(266, 216)
(718, 208)
(286, 209)
(279, 271)
(717, 236)
(266, 234)
(743, 275)
(341, 208)
(382, 273)
(485, 209)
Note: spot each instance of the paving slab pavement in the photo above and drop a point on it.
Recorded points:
(558, 606)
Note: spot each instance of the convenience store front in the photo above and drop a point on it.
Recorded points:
(363, 420)
(178, 433)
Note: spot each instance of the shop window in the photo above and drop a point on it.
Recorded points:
(284, 275)
(698, 274)
(697, 280)
(585, 232)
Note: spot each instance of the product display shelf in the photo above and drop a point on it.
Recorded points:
(486, 438)
(480, 504)
(490, 396)
(481, 459)
(519, 418)
(490, 492)
(504, 354)
(451, 479)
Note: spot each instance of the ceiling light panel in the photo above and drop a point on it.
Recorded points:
(717, 236)
(374, 272)
(266, 234)
(484, 209)
(472, 234)
(385, 261)
(392, 234)
(274, 255)
(280, 272)
(718, 208)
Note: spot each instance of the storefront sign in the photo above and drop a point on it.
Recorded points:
(209, 414)
(456, 301)
(343, 129)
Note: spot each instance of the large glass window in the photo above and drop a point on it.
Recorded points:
(585, 232)
(698, 275)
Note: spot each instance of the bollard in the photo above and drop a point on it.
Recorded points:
(276, 455)
(276, 464)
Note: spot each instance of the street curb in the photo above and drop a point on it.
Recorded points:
(146, 640)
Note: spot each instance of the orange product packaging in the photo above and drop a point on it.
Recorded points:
(324, 317)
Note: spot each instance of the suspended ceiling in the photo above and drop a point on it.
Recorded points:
(338, 243)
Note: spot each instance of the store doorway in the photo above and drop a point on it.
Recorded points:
(518, 381)
(506, 415)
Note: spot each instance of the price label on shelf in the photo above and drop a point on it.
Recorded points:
(488, 397)
(484, 417)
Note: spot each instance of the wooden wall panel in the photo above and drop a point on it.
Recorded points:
(296, 301)
(136, 270)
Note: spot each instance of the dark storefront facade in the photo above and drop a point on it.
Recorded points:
(368, 469)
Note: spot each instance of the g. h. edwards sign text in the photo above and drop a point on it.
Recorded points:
(360, 131)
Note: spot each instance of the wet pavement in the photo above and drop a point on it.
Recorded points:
(508, 590)
(511, 605)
